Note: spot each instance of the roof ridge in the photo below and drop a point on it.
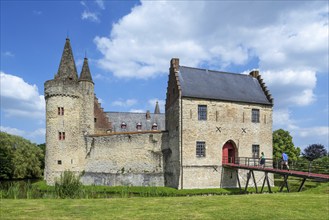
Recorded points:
(217, 71)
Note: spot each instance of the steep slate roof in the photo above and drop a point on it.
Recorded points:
(208, 84)
(67, 68)
(85, 72)
(131, 119)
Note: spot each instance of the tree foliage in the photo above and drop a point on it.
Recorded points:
(314, 151)
(282, 142)
(19, 158)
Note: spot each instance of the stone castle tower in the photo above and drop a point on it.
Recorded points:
(69, 115)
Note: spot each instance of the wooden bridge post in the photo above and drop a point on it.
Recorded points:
(285, 183)
(301, 185)
(268, 183)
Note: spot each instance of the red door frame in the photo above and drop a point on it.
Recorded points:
(228, 152)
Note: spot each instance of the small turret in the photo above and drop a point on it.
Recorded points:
(85, 72)
(157, 108)
(67, 68)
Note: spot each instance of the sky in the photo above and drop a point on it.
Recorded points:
(129, 45)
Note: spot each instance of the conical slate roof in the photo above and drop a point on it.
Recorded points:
(67, 68)
(157, 108)
(85, 72)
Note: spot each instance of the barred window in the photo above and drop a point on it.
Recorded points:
(61, 136)
(202, 112)
(255, 151)
(200, 149)
(60, 110)
(255, 115)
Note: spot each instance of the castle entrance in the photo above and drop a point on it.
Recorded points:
(228, 152)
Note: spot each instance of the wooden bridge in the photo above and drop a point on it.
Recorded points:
(252, 165)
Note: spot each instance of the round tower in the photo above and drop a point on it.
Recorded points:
(63, 112)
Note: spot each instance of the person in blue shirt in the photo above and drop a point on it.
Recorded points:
(285, 160)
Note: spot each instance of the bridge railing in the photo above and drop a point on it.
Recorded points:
(299, 165)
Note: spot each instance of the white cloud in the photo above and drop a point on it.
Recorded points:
(291, 87)
(38, 133)
(281, 35)
(314, 131)
(137, 110)
(290, 40)
(305, 135)
(13, 131)
(100, 4)
(20, 99)
(125, 103)
(91, 16)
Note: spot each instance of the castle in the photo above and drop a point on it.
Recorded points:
(210, 117)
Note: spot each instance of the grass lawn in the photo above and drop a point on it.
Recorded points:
(312, 204)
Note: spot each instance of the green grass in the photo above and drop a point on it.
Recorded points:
(306, 205)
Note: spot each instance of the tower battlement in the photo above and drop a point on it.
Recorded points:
(62, 88)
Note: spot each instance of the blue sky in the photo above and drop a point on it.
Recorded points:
(129, 45)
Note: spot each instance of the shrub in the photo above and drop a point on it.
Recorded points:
(68, 186)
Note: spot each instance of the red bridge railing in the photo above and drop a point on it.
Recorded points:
(299, 165)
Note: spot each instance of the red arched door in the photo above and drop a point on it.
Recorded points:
(228, 153)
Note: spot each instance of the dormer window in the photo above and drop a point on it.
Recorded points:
(154, 127)
(139, 126)
(123, 126)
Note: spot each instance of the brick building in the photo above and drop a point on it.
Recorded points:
(210, 117)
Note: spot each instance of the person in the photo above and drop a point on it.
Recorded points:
(262, 160)
(285, 160)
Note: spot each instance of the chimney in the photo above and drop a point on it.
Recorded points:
(148, 115)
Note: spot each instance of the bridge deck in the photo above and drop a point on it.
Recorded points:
(318, 176)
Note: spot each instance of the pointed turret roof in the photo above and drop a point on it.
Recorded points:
(67, 68)
(85, 72)
(157, 108)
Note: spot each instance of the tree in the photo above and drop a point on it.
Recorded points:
(19, 158)
(314, 151)
(282, 142)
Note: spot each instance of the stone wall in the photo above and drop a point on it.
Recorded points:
(226, 121)
(171, 151)
(125, 159)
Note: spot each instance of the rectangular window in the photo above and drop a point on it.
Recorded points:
(59, 162)
(202, 112)
(61, 136)
(255, 151)
(60, 110)
(255, 115)
(200, 149)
